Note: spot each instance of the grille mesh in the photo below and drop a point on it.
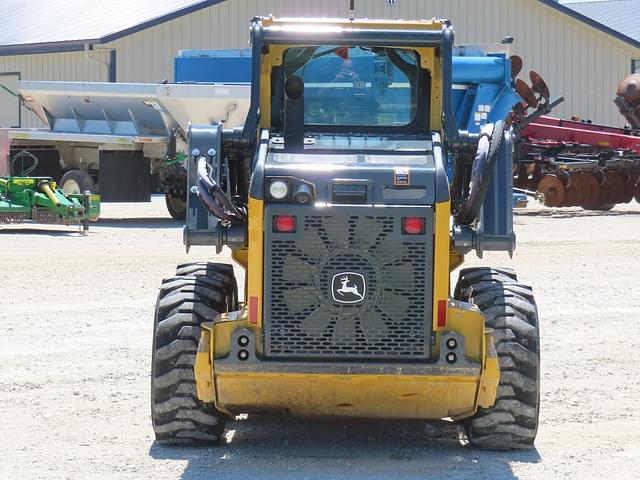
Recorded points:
(302, 319)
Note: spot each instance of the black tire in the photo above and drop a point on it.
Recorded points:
(77, 181)
(213, 270)
(178, 416)
(176, 205)
(470, 276)
(510, 309)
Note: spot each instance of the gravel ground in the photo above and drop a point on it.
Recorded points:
(76, 319)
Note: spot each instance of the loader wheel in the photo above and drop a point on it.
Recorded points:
(176, 205)
(77, 181)
(510, 309)
(184, 302)
(213, 270)
(471, 276)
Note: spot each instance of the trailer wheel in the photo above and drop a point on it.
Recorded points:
(176, 205)
(184, 302)
(510, 309)
(77, 181)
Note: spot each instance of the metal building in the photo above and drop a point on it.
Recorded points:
(621, 16)
(125, 41)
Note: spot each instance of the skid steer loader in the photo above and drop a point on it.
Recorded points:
(349, 196)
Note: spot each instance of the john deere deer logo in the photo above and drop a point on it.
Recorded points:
(348, 287)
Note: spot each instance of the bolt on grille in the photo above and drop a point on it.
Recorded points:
(392, 321)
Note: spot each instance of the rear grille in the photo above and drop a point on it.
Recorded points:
(310, 273)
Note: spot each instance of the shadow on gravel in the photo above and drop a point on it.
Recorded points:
(563, 214)
(277, 448)
(41, 232)
(146, 222)
(142, 222)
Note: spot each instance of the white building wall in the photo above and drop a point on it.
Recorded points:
(578, 61)
(53, 66)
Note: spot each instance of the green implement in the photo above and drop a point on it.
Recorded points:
(38, 199)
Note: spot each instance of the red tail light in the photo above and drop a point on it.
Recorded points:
(442, 313)
(253, 310)
(284, 223)
(413, 225)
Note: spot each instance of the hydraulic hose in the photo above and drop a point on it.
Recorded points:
(481, 172)
(214, 198)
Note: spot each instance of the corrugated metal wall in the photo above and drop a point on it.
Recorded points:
(54, 66)
(577, 61)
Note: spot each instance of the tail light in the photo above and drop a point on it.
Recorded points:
(442, 313)
(413, 225)
(284, 223)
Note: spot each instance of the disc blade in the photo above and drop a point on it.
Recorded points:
(297, 271)
(538, 85)
(300, 298)
(592, 189)
(516, 65)
(316, 323)
(526, 93)
(388, 251)
(311, 245)
(394, 305)
(337, 229)
(373, 325)
(552, 190)
(615, 183)
(399, 276)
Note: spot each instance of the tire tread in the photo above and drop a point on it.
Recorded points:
(510, 309)
(184, 303)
